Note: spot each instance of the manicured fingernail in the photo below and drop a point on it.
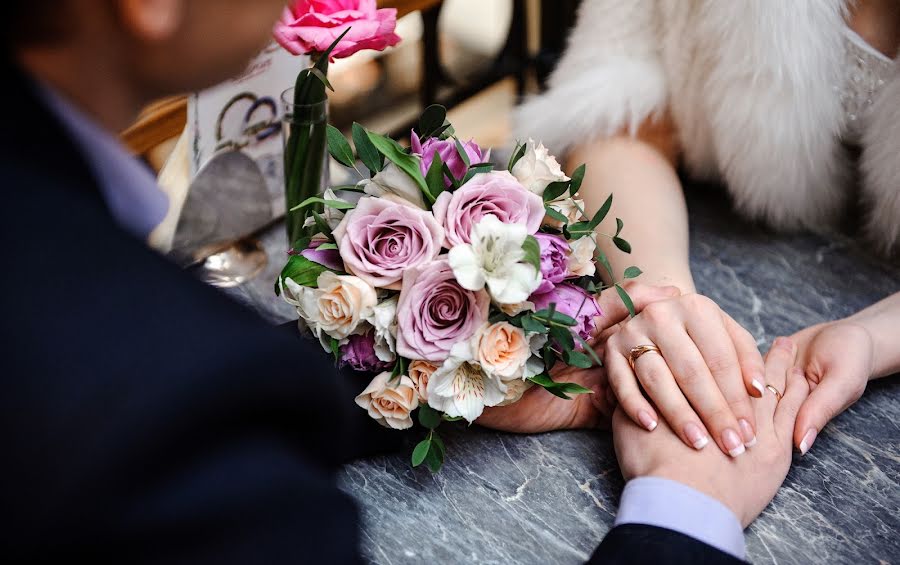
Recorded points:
(696, 436)
(747, 432)
(759, 386)
(647, 420)
(808, 441)
(732, 442)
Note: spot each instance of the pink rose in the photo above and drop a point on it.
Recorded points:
(310, 26)
(381, 238)
(448, 153)
(434, 312)
(496, 193)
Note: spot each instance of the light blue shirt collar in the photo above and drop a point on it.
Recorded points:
(127, 186)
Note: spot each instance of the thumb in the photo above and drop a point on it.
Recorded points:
(829, 398)
(613, 309)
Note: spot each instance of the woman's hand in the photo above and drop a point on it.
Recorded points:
(745, 485)
(540, 411)
(701, 380)
(838, 359)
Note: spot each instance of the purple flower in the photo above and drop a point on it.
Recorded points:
(359, 353)
(435, 313)
(496, 193)
(327, 257)
(450, 156)
(381, 238)
(554, 261)
(572, 301)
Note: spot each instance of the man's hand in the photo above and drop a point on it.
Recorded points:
(540, 411)
(745, 484)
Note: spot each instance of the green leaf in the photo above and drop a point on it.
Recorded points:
(462, 153)
(603, 260)
(394, 153)
(302, 271)
(447, 418)
(432, 119)
(429, 417)
(619, 225)
(551, 315)
(319, 74)
(532, 250)
(587, 347)
(371, 158)
(438, 444)
(476, 169)
(336, 350)
(454, 182)
(563, 337)
(578, 359)
(555, 214)
(518, 153)
(529, 324)
(336, 204)
(399, 369)
(323, 226)
(554, 190)
(577, 179)
(420, 451)
(339, 147)
(434, 459)
(626, 300)
(301, 244)
(326, 247)
(601, 213)
(562, 390)
(444, 132)
(623, 245)
(434, 179)
(632, 273)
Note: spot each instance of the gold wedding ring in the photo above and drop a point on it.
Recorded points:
(777, 394)
(638, 351)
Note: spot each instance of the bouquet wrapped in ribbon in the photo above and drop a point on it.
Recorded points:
(452, 285)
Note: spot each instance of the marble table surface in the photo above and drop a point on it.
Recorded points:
(551, 498)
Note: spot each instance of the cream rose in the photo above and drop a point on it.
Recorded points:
(502, 350)
(537, 168)
(339, 304)
(581, 260)
(515, 389)
(420, 373)
(568, 207)
(390, 403)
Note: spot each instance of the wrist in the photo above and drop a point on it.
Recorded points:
(705, 482)
(884, 354)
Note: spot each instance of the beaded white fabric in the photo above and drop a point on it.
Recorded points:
(867, 72)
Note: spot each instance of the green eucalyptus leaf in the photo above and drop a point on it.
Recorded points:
(529, 324)
(336, 350)
(339, 147)
(532, 250)
(371, 157)
(434, 179)
(555, 214)
(434, 459)
(563, 338)
(619, 225)
(562, 390)
(554, 190)
(336, 204)
(623, 245)
(626, 300)
(420, 451)
(432, 119)
(601, 213)
(462, 153)
(578, 359)
(604, 260)
(632, 273)
(429, 417)
(438, 444)
(552, 315)
(587, 347)
(577, 179)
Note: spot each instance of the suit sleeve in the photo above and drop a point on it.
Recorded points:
(638, 544)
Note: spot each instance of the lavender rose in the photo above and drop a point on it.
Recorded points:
(450, 156)
(554, 261)
(572, 301)
(381, 238)
(359, 353)
(496, 193)
(435, 312)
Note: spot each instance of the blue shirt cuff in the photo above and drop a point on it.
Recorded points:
(654, 501)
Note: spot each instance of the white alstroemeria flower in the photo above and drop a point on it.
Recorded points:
(460, 387)
(494, 258)
(537, 168)
(332, 216)
(383, 318)
(392, 180)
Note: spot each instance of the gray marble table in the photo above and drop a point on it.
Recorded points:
(550, 498)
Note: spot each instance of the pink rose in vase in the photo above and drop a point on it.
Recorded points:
(310, 26)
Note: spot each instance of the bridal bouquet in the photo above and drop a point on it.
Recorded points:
(457, 285)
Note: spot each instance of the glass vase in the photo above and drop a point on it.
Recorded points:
(305, 160)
